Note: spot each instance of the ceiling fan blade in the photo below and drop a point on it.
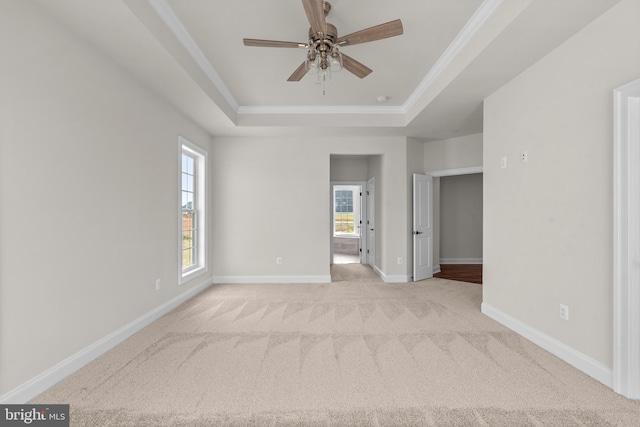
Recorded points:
(315, 14)
(273, 43)
(355, 67)
(299, 73)
(382, 31)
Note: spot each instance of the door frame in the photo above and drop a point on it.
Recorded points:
(363, 215)
(626, 240)
(436, 203)
(370, 251)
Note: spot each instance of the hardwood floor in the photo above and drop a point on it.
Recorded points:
(462, 272)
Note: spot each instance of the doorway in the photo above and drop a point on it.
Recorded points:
(347, 216)
(460, 227)
(354, 170)
(452, 255)
(626, 241)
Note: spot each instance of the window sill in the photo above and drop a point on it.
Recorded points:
(192, 274)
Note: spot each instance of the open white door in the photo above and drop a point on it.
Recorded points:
(422, 227)
(370, 224)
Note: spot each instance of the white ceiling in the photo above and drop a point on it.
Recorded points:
(452, 55)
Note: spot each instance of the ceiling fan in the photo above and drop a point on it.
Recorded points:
(323, 54)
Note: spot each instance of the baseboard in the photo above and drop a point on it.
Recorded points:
(273, 279)
(460, 260)
(436, 269)
(391, 279)
(573, 357)
(51, 376)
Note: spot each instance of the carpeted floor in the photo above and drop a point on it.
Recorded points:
(348, 353)
(354, 273)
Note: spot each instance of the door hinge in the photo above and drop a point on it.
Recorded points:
(367, 250)
(367, 193)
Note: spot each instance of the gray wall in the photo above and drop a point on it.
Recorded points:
(276, 188)
(453, 153)
(89, 183)
(349, 168)
(461, 218)
(548, 223)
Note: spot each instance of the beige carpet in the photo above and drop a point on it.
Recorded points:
(353, 273)
(348, 353)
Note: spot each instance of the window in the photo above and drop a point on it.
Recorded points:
(346, 210)
(189, 214)
(192, 210)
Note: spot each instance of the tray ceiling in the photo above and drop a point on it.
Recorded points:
(451, 56)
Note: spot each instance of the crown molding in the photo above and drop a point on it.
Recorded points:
(169, 17)
(470, 29)
(334, 116)
(479, 18)
(311, 109)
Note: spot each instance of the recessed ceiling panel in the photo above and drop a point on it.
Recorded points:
(257, 76)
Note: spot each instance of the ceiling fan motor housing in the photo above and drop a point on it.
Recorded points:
(323, 45)
(331, 36)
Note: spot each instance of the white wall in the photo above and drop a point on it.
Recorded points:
(453, 153)
(461, 218)
(349, 168)
(89, 196)
(275, 202)
(548, 222)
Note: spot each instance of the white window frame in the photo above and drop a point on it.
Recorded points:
(355, 190)
(200, 202)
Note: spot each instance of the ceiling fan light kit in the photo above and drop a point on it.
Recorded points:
(324, 56)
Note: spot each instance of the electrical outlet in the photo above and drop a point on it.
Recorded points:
(157, 284)
(564, 312)
(279, 260)
(400, 260)
(503, 162)
(524, 157)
